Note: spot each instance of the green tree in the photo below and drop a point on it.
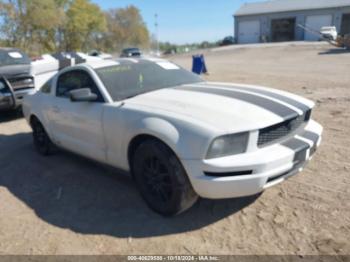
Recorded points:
(126, 28)
(31, 24)
(43, 18)
(40, 26)
(84, 21)
(11, 22)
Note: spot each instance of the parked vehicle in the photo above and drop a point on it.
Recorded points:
(16, 79)
(48, 65)
(329, 33)
(131, 52)
(229, 40)
(100, 54)
(180, 137)
(170, 52)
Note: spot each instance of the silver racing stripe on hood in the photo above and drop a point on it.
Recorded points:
(257, 100)
(265, 92)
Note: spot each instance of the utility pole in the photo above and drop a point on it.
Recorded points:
(234, 27)
(156, 32)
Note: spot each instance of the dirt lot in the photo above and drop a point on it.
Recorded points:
(65, 204)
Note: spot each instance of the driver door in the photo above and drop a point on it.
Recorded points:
(77, 126)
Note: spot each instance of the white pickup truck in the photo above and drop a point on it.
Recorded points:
(16, 78)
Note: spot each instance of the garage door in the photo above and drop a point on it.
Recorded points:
(316, 22)
(249, 32)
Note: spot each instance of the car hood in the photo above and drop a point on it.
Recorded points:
(11, 71)
(228, 107)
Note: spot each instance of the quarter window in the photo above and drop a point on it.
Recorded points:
(46, 88)
(76, 80)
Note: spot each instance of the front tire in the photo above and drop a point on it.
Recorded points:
(161, 179)
(41, 140)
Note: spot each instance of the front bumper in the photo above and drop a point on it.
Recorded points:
(10, 98)
(264, 167)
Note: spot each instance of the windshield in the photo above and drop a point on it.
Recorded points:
(130, 79)
(13, 57)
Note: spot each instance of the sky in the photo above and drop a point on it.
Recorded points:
(184, 21)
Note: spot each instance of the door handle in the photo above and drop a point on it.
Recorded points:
(56, 109)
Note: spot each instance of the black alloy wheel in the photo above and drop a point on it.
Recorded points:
(161, 179)
(41, 140)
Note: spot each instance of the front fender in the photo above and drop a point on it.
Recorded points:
(187, 141)
(119, 137)
(161, 129)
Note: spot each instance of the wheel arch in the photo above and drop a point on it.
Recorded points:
(154, 128)
(140, 139)
(32, 118)
(135, 143)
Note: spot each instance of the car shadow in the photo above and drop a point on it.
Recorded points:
(7, 116)
(335, 51)
(72, 192)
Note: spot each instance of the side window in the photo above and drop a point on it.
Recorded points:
(75, 80)
(46, 88)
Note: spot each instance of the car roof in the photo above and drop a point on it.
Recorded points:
(8, 49)
(121, 61)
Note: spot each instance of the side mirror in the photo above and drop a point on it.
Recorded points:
(82, 95)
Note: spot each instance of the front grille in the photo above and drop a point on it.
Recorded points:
(275, 132)
(22, 83)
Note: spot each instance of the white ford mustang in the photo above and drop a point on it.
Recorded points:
(180, 137)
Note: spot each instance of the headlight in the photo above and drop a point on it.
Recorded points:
(228, 145)
(28, 81)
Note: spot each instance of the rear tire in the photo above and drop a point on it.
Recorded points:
(161, 179)
(41, 140)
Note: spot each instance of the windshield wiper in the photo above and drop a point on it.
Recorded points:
(134, 95)
(141, 93)
(128, 97)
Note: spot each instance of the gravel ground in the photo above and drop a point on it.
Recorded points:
(65, 204)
